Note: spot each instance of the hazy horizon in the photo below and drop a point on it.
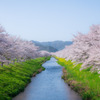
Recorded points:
(52, 40)
(48, 20)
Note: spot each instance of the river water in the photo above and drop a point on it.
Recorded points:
(48, 85)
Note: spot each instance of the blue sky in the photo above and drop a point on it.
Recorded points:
(48, 20)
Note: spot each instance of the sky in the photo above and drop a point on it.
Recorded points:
(48, 20)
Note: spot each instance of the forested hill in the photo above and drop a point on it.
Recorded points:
(52, 46)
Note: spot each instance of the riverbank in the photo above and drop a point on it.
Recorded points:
(15, 77)
(48, 85)
(84, 82)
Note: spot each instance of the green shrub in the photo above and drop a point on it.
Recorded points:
(15, 77)
(85, 82)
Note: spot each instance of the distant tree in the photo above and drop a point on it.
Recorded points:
(44, 53)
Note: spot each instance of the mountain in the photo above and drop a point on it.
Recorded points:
(52, 46)
(42, 47)
(59, 45)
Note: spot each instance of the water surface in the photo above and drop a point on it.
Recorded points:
(48, 85)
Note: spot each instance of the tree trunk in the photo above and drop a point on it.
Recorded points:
(8, 63)
(2, 64)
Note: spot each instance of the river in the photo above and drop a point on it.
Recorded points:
(48, 85)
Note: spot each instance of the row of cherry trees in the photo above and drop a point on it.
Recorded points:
(14, 49)
(85, 49)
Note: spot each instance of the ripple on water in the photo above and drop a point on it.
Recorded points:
(48, 85)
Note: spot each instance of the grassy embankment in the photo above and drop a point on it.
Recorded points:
(15, 77)
(84, 82)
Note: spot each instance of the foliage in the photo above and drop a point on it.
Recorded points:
(15, 77)
(13, 48)
(85, 82)
(85, 49)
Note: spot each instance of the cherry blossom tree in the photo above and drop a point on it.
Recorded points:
(44, 53)
(85, 49)
(13, 48)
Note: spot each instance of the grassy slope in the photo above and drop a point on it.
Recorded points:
(87, 84)
(14, 78)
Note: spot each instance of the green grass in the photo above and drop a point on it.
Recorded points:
(15, 77)
(84, 82)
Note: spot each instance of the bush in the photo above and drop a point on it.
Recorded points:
(14, 78)
(85, 82)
